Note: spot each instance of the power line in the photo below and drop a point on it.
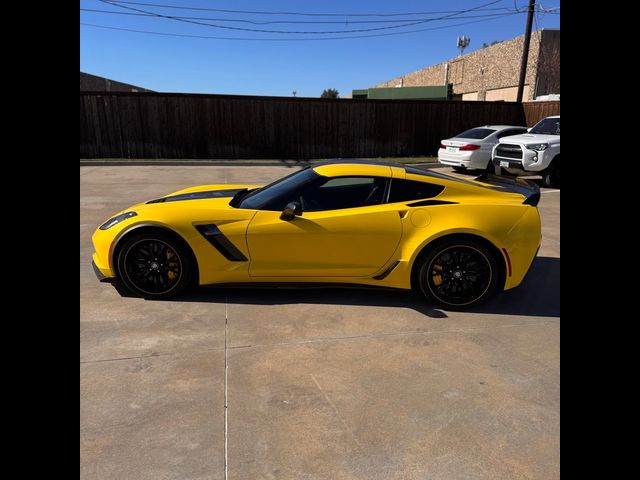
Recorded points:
(148, 32)
(543, 9)
(269, 22)
(323, 32)
(315, 14)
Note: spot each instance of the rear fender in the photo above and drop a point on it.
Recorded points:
(526, 188)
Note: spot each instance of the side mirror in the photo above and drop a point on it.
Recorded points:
(292, 210)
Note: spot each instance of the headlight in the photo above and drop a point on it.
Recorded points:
(117, 219)
(538, 147)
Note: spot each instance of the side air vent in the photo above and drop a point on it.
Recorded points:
(216, 238)
(384, 274)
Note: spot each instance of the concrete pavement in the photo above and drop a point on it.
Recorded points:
(321, 383)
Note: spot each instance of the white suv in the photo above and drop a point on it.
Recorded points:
(472, 148)
(535, 152)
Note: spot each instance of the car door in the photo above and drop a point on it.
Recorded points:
(345, 230)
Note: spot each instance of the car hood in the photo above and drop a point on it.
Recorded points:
(527, 138)
(201, 192)
(215, 196)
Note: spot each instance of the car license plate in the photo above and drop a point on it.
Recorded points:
(452, 149)
(504, 164)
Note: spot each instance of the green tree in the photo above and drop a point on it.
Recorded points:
(485, 44)
(330, 93)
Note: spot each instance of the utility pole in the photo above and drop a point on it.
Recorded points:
(525, 49)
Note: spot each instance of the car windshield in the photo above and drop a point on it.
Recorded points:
(476, 133)
(547, 126)
(256, 199)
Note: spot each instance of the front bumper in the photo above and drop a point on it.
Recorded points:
(531, 161)
(515, 166)
(103, 276)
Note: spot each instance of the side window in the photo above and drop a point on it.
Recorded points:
(512, 131)
(342, 192)
(407, 190)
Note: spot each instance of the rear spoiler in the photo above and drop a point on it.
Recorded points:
(530, 190)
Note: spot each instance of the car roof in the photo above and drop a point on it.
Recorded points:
(355, 161)
(502, 127)
(358, 166)
(365, 167)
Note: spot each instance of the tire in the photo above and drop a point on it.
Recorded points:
(460, 169)
(458, 274)
(504, 173)
(490, 168)
(551, 176)
(154, 265)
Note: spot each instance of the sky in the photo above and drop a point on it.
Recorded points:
(231, 64)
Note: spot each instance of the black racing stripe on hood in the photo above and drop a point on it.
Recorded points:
(197, 195)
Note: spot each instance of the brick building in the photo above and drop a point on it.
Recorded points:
(492, 72)
(94, 83)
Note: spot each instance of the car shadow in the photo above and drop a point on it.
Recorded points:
(313, 295)
(538, 295)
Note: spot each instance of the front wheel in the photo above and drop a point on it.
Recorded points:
(490, 168)
(551, 176)
(458, 274)
(154, 265)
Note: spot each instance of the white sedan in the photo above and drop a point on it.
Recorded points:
(472, 149)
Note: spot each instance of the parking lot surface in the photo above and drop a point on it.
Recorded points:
(319, 383)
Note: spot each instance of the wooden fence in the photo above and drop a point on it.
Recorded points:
(536, 111)
(170, 125)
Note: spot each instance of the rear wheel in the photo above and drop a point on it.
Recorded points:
(458, 274)
(460, 169)
(154, 265)
(551, 176)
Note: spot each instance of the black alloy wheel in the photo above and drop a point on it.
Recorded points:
(154, 266)
(458, 274)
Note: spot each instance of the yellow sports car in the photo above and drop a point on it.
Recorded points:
(453, 240)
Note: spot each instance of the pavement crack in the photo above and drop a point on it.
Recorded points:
(390, 334)
(335, 409)
(153, 355)
(226, 424)
(117, 359)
